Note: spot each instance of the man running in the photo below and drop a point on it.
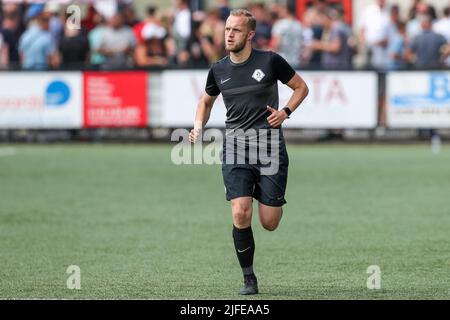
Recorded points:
(247, 79)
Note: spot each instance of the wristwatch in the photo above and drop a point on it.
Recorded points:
(288, 111)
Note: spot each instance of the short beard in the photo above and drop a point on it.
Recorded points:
(238, 49)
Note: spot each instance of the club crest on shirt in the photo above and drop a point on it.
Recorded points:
(258, 75)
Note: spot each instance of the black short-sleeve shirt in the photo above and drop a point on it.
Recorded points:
(249, 87)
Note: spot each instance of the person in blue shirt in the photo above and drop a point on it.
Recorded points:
(397, 47)
(37, 48)
(429, 49)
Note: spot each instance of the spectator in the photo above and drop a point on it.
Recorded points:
(199, 49)
(206, 43)
(4, 53)
(263, 32)
(274, 12)
(394, 20)
(152, 52)
(181, 24)
(212, 28)
(56, 25)
(95, 37)
(432, 13)
(37, 48)
(166, 21)
(443, 27)
(117, 44)
(11, 30)
(427, 49)
(374, 34)
(318, 7)
(224, 9)
(90, 20)
(287, 36)
(413, 27)
(412, 12)
(388, 47)
(336, 52)
(315, 12)
(74, 49)
(128, 15)
(149, 19)
(397, 47)
(313, 23)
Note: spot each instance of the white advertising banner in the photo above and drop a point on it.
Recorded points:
(41, 100)
(181, 91)
(418, 100)
(336, 100)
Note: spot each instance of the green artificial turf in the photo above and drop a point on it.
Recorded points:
(141, 227)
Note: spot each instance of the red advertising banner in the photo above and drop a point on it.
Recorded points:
(115, 99)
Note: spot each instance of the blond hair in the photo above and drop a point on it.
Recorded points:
(251, 21)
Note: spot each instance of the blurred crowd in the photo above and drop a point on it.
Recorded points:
(421, 40)
(45, 36)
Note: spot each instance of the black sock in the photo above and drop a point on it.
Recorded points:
(245, 248)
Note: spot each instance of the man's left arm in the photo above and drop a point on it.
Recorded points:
(300, 93)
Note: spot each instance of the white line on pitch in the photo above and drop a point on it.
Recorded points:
(7, 152)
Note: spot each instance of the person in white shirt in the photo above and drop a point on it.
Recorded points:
(374, 26)
(287, 37)
(413, 27)
(443, 27)
(181, 24)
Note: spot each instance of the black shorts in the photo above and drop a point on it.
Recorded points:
(253, 179)
(246, 180)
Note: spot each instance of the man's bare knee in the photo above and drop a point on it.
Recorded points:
(242, 213)
(270, 225)
(270, 217)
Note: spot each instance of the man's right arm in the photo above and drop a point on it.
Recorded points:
(202, 116)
